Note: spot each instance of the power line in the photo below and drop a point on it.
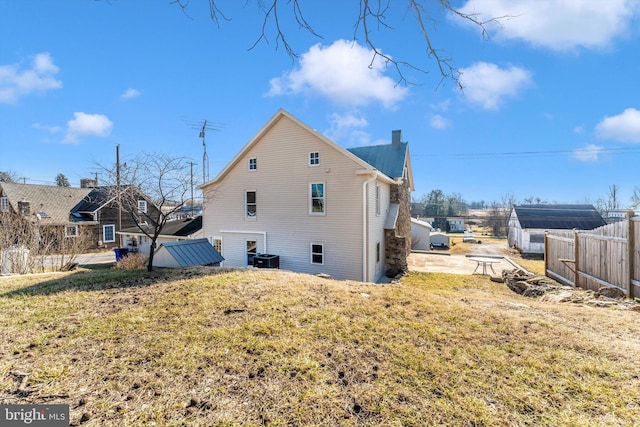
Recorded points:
(580, 151)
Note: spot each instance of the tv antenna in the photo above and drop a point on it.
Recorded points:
(203, 128)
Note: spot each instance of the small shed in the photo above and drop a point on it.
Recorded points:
(186, 253)
(439, 240)
(420, 235)
(528, 223)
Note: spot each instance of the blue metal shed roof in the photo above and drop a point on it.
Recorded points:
(388, 159)
(188, 253)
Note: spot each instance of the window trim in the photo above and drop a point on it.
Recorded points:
(142, 202)
(312, 253)
(323, 198)
(104, 233)
(247, 216)
(75, 228)
(253, 161)
(314, 159)
(4, 204)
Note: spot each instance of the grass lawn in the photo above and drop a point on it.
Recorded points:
(198, 348)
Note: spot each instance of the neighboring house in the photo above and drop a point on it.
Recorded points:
(455, 224)
(528, 223)
(100, 206)
(636, 207)
(45, 206)
(135, 239)
(420, 235)
(294, 193)
(186, 253)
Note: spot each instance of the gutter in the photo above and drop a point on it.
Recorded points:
(365, 224)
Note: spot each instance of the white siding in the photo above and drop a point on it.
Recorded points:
(281, 182)
(375, 228)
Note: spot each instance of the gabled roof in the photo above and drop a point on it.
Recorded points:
(282, 114)
(559, 217)
(177, 228)
(96, 199)
(52, 204)
(390, 159)
(188, 253)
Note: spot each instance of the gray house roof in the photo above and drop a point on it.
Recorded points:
(186, 253)
(559, 217)
(178, 227)
(49, 203)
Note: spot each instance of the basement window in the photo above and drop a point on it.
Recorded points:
(317, 253)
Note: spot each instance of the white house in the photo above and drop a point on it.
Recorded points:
(528, 223)
(456, 224)
(420, 234)
(294, 193)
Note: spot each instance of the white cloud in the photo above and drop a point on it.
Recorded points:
(50, 129)
(346, 127)
(487, 85)
(342, 73)
(130, 93)
(590, 153)
(557, 24)
(16, 82)
(624, 127)
(87, 125)
(439, 122)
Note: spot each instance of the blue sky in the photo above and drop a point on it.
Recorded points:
(550, 107)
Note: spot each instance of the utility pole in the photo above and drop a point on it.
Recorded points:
(118, 189)
(191, 163)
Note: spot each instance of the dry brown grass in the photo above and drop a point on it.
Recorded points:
(275, 348)
(132, 262)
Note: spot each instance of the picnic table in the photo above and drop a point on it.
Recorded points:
(484, 262)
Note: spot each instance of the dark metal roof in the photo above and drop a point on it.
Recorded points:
(188, 253)
(559, 217)
(97, 198)
(388, 158)
(178, 227)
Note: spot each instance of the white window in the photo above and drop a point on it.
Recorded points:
(4, 204)
(377, 199)
(317, 253)
(70, 231)
(253, 164)
(251, 205)
(142, 206)
(217, 245)
(109, 233)
(314, 158)
(317, 199)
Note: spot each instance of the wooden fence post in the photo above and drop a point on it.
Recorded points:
(576, 257)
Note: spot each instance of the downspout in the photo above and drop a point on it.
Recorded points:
(365, 225)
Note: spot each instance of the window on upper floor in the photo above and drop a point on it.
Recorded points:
(317, 253)
(4, 204)
(314, 158)
(317, 199)
(142, 206)
(253, 164)
(251, 205)
(377, 199)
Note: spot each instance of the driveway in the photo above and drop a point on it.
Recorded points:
(443, 262)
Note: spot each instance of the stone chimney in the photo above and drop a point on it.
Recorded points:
(396, 135)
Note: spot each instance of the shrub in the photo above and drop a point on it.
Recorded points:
(132, 262)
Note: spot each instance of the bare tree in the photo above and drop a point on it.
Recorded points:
(372, 15)
(635, 195)
(159, 179)
(8, 176)
(499, 214)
